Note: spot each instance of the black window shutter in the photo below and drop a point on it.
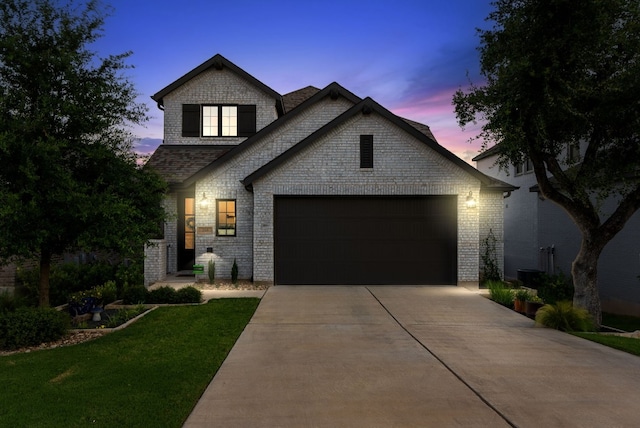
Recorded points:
(190, 120)
(246, 120)
(366, 151)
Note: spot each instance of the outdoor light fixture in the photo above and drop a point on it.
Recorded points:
(471, 202)
(204, 202)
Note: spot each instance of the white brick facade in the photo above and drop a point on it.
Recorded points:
(214, 87)
(402, 166)
(406, 163)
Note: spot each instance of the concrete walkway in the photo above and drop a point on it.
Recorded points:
(412, 357)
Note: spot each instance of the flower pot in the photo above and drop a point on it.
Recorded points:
(519, 306)
(532, 307)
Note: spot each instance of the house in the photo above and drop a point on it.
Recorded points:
(539, 235)
(317, 186)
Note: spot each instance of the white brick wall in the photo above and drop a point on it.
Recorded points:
(155, 261)
(214, 87)
(402, 166)
(224, 183)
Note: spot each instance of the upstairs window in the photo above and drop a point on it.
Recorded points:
(524, 167)
(226, 217)
(218, 120)
(573, 153)
(366, 151)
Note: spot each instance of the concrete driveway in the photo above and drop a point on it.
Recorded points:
(412, 357)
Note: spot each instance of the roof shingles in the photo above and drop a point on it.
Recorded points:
(177, 162)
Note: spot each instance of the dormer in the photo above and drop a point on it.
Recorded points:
(216, 103)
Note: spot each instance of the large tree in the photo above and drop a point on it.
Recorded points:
(68, 176)
(562, 72)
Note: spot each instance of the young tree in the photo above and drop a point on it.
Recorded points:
(68, 177)
(561, 72)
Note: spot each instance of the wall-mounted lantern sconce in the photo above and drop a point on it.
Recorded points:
(204, 202)
(471, 201)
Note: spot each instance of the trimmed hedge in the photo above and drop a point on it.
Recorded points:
(162, 295)
(28, 326)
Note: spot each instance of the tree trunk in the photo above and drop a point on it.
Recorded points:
(585, 280)
(45, 270)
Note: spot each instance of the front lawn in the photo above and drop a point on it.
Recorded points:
(150, 374)
(626, 344)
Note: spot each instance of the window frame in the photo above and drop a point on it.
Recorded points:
(225, 226)
(193, 120)
(220, 126)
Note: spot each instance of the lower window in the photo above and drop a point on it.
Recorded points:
(226, 217)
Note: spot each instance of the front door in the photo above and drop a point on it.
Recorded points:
(186, 231)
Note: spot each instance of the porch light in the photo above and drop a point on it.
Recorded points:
(471, 202)
(204, 202)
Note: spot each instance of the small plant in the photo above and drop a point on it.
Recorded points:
(535, 299)
(134, 294)
(564, 316)
(123, 315)
(188, 295)
(500, 293)
(490, 270)
(164, 294)
(234, 273)
(211, 272)
(523, 295)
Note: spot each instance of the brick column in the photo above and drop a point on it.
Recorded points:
(155, 261)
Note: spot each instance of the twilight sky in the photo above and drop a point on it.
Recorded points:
(408, 55)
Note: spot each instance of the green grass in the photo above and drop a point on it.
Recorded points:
(626, 344)
(150, 374)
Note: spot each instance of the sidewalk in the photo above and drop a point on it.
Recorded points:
(412, 357)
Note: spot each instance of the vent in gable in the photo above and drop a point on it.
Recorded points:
(366, 151)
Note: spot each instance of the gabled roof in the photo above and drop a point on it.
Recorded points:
(295, 98)
(333, 90)
(494, 150)
(367, 106)
(218, 62)
(177, 162)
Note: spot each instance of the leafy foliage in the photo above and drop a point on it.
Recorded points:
(500, 293)
(559, 73)
(234, 272)
(211, 272)
(69, 278)
(554, 288)
(134, 294)
(66, 160)
(564, 316)
(162, 295)
(490, 269)
(31, 326)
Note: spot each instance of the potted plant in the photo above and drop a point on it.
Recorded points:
(532, 305)
(521, 296)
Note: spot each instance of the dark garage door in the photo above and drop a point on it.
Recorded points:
(366, 240)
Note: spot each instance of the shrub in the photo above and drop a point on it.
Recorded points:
(563, 316)
(523, 295)
(490, 270)
(555, 288)
(164, 294)
(500, 293)
(108, 292)
(211, 272)
(188, 295)
(31, 326)
(234, 272)
(134, 294)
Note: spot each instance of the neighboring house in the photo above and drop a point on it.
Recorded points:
(314, 187)
(539, 235)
